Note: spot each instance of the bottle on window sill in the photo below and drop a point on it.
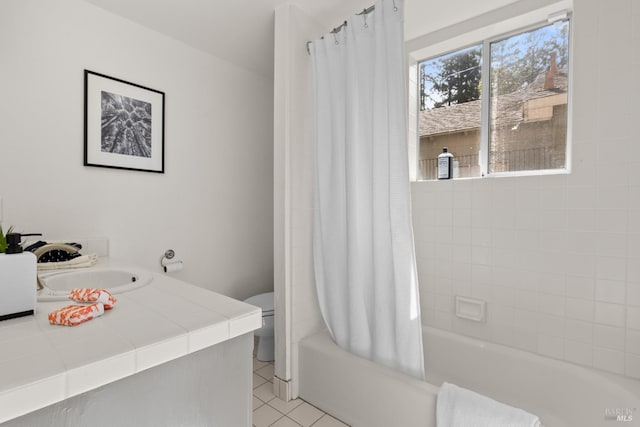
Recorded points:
(445, 164)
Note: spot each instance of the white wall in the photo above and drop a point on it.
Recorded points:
(297, 312)
(556, 257)
(213, 205)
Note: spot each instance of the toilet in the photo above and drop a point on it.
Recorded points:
(265, 335)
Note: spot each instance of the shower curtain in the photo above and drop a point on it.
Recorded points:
(364, 254)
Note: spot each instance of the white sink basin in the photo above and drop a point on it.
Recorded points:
(56, 286)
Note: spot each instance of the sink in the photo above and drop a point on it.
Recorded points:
(57, 285)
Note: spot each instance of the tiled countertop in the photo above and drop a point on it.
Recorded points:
(41, 364)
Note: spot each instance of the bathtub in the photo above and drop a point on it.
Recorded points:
(364, 394)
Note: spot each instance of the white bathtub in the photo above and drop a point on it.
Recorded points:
(364, 394)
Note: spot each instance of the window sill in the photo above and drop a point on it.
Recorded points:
(545, 172)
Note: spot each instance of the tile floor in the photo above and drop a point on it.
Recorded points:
(268, 410)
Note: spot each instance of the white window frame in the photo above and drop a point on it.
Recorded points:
(496, 28)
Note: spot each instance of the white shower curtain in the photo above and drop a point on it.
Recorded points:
(364, 255)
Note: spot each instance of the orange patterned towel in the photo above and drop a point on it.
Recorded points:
(93, 295)
(72, 315)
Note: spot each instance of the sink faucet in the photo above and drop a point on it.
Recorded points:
(39, 252)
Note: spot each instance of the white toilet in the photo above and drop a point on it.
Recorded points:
(265, 334)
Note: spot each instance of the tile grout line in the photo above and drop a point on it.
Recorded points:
(262, 365)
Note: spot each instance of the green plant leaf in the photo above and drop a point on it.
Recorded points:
(3, 239)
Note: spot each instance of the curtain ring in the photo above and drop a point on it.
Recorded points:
(395, 8)
(364, 15)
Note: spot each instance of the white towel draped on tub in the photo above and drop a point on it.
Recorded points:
(459, 407)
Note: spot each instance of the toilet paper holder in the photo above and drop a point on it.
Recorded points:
(167, 264)
(169, 254)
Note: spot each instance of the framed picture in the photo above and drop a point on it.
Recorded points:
(123, 124)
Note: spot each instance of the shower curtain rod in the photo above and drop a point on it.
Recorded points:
(337, 29)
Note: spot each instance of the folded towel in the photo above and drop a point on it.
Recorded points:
(93, 295)
(79, 262)
(459, 407)
(72, 315)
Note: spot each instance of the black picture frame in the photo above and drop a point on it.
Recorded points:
(123, 124)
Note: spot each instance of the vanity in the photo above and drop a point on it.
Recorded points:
(168, 353)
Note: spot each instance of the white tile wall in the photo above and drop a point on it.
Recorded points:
(556, 257)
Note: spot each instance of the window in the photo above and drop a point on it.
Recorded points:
(518, 123)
